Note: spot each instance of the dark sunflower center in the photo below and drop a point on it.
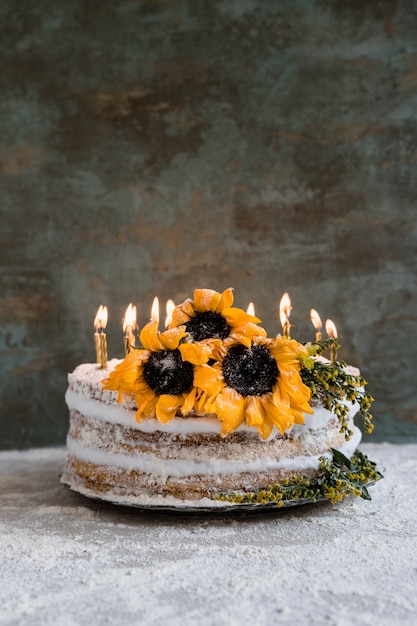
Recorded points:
(250, 371)
(207, 325)
(166, 373)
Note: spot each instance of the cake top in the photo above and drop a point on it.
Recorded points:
(217, 359)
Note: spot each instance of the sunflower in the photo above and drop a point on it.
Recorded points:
(160, 376)
(211, 317)
(259, 385)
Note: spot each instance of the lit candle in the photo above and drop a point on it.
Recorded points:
(97, 324)
(331, 334)
(285, 309)
(316, 321)
(251, 309)
(129, 324)
(169, 307)
(100, 339)
(155, 310)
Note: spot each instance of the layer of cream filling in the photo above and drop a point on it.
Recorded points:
(149, 464)
(118, 414)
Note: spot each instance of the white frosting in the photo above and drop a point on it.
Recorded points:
(118, 414)
(150, 464)
(86, 396)
(319, 419)
(349, 369)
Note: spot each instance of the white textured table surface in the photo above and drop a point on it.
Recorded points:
(65, 559)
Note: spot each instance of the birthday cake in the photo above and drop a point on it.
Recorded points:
(212, 414)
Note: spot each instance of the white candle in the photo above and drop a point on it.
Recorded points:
(129, 324)
(100, 323)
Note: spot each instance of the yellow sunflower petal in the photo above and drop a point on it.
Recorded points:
(143, 400)
(166, 407)
(238, 317)
(241, 338)
(147, 410)
(182, 313)
(128, 380)
(206, 300)
(207, 378)
(226, 300)
(284, 349)
(189, 402)
(279, 398)
(291, 384)
(255, 413)
(279, 413)
(125, 376)
(200, 402)
(247, 334)
(217, 347)
(265, 429)
(205, 403)
(172, 337)
(299, 417)
(250, 330)
(149, 337)
(230, 409)
(195, 353)
(140, 386)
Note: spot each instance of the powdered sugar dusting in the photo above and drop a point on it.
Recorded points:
(65, 559)
(168, 362)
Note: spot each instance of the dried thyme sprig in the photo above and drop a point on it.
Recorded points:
(338, 479)
(331, 385)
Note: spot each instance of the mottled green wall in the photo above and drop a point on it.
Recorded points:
(152, 147)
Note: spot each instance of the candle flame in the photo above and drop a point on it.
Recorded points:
(101, 318)
(251, 309)
(170, 306)
(130, 317)
(155, 310)
(315, 319)
(331, 329)
(285, 309)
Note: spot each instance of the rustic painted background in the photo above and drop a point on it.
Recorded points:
(152, 147)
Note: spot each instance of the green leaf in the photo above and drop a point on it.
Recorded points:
(338, 456)
(365, 493)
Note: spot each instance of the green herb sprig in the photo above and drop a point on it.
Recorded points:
(331, 385)
(339, 478)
